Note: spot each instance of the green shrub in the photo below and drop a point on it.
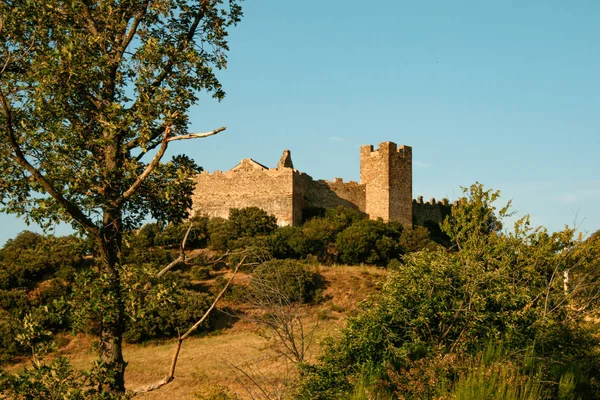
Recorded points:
(146, 235)
(157, 257)
(9, 329)
(289, 242)
(30, 258)
(320, 236)
(200, 272)
(220, 233)
(15, 301)
(155, 308)
(251, 221)
(243, 225)
(343, 217)
(55, 380)
(446, 305)
(286, 279)
(416, 239)
(370, 242)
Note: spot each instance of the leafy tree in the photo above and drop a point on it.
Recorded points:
(55, 379)
(343, 217)
(525, 288)
(30, 258)
(289, 242)
(87, 91)
(371, 242)
(243, 223)
(416, 239)
(251, 221)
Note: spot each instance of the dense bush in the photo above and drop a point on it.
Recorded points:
(200, 272)
(345, 235)
(343, 217)
(30, 258)
(155, 308)
(251, 221)
(285, 279)
(416, 239)
(55, 379)
(443, 305)
(220, 233)
(320, 234)
(35, 274)
(370, 242)
(289, 242)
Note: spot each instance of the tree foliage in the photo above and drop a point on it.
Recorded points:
(88, 91)
(525, 288)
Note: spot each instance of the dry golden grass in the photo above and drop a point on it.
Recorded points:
(222, 359)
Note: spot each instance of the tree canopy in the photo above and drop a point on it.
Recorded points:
(91, 95)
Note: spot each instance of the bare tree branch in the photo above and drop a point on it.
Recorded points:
(158, 156)
(181, 257)
(197, 135)
(250, 378)
(283, 317)
(149, 168)
(181, 338)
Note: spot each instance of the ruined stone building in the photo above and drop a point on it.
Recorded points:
(384, 191)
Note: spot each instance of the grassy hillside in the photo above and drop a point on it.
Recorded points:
(219, 360)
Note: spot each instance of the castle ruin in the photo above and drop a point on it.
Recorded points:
(384, 191)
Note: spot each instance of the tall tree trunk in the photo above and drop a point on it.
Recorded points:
(113, 321)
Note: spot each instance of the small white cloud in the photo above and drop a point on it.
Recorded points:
(421, 164)
(337, 139)
(568, 198)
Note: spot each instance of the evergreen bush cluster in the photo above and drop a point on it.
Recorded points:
(527, 292)
(338, 235)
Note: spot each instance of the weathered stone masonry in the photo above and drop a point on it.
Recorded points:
(384, 191)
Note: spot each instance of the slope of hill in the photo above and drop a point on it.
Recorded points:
(237, 358)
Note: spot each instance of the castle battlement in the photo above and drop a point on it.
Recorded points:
(431, 202)
(340, 181)
(384, 190)
(386, 148)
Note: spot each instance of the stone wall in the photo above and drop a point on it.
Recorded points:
(431, 211)
(385, 190)
(301, 184)
(331, 194)
(269, 189)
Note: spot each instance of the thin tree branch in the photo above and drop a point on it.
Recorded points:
(181, 257)
(133, 143)
(149, 168)
(250, 378)
(20, 159)
(181, 338)
(169, 64)
(129, 35)
(158, 156)
(187, 233)
(87, 15)
(197, 135)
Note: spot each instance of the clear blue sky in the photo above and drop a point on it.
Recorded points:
(506, 93)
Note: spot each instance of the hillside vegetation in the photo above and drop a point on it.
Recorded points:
(472, 309)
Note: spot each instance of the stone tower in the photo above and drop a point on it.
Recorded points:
(387, 176)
